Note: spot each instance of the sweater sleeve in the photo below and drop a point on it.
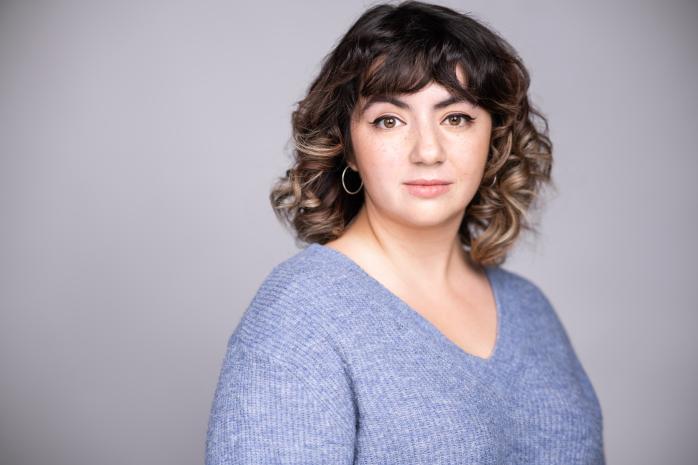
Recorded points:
(265, 412)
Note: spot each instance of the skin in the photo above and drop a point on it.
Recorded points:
(410, 244)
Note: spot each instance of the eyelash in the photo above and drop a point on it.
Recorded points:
(467, 118)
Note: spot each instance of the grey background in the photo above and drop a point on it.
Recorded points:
(138, 143)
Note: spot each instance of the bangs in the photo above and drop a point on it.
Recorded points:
(405, 69)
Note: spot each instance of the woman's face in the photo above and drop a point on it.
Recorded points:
(417, 137)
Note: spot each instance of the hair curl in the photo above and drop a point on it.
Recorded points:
(394, 49)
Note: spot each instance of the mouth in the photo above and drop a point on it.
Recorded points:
(428, 182)
(427, 189)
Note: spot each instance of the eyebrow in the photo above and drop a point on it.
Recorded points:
(401, 104)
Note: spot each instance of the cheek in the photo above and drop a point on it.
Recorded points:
(379, 159)
(381, 170)
(471, 156)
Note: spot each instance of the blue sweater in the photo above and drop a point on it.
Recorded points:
(327, 366)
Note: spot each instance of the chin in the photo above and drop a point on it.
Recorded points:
(431, 216)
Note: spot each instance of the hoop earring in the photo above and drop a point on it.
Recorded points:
(345, 186)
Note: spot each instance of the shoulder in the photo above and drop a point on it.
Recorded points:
(530, 302)
(513, 282)
(291, 309)
(289, 323)
(521, 291)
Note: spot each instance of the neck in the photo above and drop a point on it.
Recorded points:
(418, 254)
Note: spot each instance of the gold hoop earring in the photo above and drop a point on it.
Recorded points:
(345, 186)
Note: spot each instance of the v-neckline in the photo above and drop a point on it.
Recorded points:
(422, 322)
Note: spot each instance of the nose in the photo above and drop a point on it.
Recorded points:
(427, 148)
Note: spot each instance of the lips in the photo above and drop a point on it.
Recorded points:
(427, 182)
(427, 188)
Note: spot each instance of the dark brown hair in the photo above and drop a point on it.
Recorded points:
(394, 49)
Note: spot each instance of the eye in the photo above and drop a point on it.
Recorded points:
(456, 118)
(388, 121)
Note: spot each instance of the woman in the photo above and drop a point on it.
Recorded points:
(396, 337)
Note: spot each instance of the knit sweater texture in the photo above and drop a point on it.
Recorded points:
(328, 366)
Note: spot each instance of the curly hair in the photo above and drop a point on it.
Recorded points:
(394, 49)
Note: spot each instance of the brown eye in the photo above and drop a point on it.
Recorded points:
(389, 122)
(455, 119)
